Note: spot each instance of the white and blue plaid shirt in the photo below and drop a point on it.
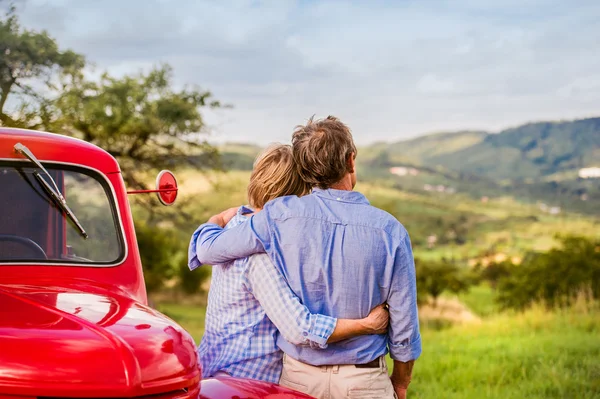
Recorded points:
(248, 301)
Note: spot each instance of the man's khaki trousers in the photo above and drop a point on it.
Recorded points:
(337, 382)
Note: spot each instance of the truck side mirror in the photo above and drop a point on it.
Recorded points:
(166, 188)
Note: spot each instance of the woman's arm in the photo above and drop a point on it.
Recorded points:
(294, 320)
(375, 323)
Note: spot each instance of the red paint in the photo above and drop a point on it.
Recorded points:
(87, 331)
(162, 190)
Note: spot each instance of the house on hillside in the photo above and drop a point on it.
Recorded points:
(403, 171)
(589, 173)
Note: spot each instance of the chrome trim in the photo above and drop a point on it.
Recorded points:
(118, 209)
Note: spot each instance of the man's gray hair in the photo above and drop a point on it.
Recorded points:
(321, 149)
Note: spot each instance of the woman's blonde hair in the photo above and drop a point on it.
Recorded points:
(275, 175)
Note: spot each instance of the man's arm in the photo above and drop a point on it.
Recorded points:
(211, 244)
(404, 336)
(401, 376)
(294, 320)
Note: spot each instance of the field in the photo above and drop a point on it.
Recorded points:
(537, 354)
(533, 355)
(470, 348)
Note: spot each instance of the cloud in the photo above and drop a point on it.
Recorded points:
(431, 83)
(390, 69)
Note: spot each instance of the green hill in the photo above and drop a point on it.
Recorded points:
(528, 151)
(419, 150)
(536, 161)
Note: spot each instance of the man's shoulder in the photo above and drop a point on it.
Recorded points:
(357, 213)
(387, 222)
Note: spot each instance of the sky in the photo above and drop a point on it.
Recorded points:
(391, 70)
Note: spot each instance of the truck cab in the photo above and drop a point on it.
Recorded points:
(74, 315)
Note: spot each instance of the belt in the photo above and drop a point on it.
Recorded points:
(371, 365)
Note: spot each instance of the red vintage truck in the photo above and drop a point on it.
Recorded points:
(74, 316)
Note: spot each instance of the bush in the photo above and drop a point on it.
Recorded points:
(190, 281)
(495, 271)
(161, 252)
(435, 277)
(556, 277)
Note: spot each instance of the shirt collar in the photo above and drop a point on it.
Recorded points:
(341, 195)
(244, 210)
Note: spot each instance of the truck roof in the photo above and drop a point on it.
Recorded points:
(50, 147)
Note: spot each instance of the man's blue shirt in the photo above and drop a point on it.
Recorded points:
(341, 257)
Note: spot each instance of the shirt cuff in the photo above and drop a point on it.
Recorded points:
(320, 330)
(193, 261)
(406, 352)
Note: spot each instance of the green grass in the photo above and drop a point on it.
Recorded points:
(534, 355)
(480, 300)
(537, 354)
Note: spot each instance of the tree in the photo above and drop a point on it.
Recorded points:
(496, 271)
(436, 277)
(139, 119)
(555, 277)
(31, 68)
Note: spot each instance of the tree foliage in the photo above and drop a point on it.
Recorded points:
(31, 69)
(161, 253)
(436, 277)
(556, 277)
(139, 119)
(495, 271)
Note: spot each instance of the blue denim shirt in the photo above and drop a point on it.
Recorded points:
(341, 257)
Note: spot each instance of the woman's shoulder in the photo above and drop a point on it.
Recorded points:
(243, 213)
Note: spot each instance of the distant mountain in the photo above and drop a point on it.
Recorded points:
(419, 150)
(239, 156)
(529, 151)
(536, 161)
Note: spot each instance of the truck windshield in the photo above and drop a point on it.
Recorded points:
(34, 229)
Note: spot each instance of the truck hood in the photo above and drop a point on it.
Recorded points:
(61, 341)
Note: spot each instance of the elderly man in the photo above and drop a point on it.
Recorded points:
(341, 257)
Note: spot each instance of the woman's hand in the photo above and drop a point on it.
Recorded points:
(377, 321)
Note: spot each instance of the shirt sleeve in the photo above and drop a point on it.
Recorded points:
(403, 333)
(293, 320)
(211, 244)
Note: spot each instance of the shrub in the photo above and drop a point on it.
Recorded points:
(556, 277)
(436, 277)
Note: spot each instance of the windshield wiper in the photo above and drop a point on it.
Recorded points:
(52, 190)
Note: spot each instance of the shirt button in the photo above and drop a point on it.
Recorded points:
(305, 333)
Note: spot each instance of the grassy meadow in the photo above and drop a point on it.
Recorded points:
(471, 349)
(535, 354)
